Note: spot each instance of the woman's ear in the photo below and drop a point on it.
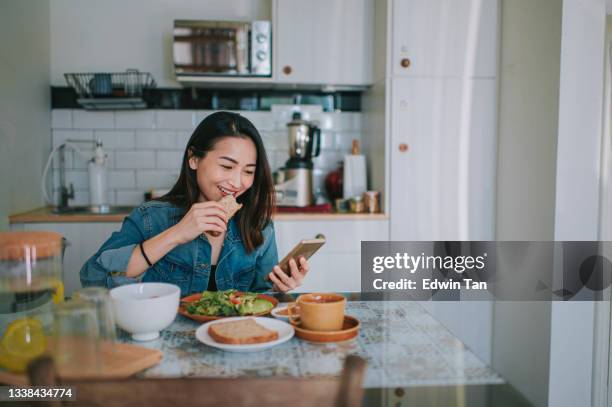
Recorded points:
(193, 160)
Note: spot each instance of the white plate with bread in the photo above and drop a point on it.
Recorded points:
(244, 334)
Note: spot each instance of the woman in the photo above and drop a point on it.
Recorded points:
(173, 239)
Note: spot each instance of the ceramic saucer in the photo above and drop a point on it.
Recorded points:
(350, 330)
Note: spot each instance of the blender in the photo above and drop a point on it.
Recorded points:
(293, 182)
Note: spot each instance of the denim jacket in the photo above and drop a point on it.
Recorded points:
(187, 265)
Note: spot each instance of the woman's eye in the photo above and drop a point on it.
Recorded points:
(227, 167)
(250, 172)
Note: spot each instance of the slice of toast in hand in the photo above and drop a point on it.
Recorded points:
(231, 207)
(241, 332)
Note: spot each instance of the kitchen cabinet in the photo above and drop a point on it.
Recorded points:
(83, 238)
(444, 38)
(443, 158)
(337, 265)
(324, 42)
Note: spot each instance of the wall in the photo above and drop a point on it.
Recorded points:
(24, 104)
(577, 216)
(145, 147)
(85, 33)
(528, 112)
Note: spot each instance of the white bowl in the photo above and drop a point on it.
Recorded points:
(144, 309)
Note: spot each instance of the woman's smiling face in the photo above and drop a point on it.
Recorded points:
(227, 169)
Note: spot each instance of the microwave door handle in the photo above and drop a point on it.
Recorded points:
(241, 48)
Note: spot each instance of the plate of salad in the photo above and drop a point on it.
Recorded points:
(212, 305)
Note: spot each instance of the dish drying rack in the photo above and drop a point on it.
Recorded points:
(111, 90)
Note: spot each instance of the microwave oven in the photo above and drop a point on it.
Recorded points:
(222, 48)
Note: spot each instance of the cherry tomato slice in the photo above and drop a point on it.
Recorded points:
(235, 298)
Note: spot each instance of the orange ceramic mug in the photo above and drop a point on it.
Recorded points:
(318, 311)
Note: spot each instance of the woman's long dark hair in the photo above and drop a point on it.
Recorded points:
(258, 201)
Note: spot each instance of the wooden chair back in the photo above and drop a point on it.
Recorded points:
(345, 391)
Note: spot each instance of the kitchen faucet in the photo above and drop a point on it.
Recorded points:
(65, 193)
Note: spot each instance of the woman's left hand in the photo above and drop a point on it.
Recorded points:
(282, 282)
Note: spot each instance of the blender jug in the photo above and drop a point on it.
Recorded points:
(304, 139)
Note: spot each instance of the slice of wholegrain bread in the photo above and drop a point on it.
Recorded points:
(231, 207)
(241, 332)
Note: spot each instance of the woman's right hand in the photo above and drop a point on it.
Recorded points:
(202, 217)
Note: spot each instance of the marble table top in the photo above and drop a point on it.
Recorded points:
(403, 345)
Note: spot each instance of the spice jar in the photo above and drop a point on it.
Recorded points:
(372, 201)
(357, 205)
(342, 205)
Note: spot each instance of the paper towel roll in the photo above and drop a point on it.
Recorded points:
(354, 182)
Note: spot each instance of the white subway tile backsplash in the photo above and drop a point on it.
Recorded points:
(146, 180)
(118, 179)
(68, 160)
(79, 162)
(200, 115)
(60, 136)
(78, 178)
(140, 119)
(263, 121)
(339, 121)
(145, 148)
(326, 121)
(182, 138)
(155, 139)
(344, 140)
(134, 159)
(81, 198)
(280, 158)
(175, 119)
(170, 160)
(350, 121)
(270, 157)
(61, 119)
(283, 114)
(327, 140)
(116, 139)
(129, 198)
(112, 196)
(328, 160)
(110, 159)
(276, 140)
(84, 119)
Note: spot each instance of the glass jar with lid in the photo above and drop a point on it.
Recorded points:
(30, 282)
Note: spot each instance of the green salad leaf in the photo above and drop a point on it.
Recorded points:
(228, 303)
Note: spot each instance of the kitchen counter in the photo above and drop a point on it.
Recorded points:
(45, 215)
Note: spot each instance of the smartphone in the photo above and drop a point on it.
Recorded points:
(305, 248)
